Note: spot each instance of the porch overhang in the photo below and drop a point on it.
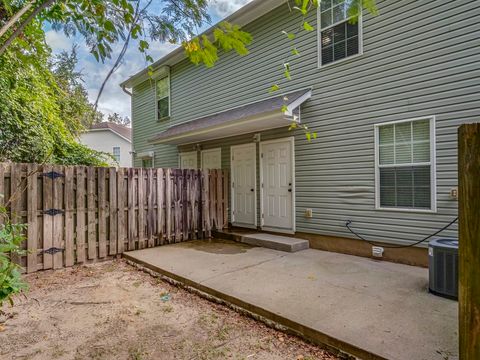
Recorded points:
(275, 112)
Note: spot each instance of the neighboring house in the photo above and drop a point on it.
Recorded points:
(110, 138)
(385, 95)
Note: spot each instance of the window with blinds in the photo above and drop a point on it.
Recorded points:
(163, 98)
(339, 35)
(405, 165)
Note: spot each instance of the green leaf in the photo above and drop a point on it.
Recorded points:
(295, 52)
(284, 108)
(307, 26)
(274, 88)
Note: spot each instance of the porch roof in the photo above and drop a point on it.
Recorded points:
(254, 117)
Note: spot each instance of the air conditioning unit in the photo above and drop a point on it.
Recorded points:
(443, 267)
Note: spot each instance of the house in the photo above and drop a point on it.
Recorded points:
(110, 138)
(385, 95)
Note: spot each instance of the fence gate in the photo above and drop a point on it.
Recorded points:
(79, 214)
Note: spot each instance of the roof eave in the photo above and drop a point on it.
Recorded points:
(241, 17)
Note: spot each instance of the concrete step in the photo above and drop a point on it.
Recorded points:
(275, 242)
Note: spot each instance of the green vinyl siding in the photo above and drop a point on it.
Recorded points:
(420, 58)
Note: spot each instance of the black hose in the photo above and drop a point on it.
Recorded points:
(349, 222)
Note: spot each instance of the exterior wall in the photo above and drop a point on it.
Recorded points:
(106, 140)
(421, 58)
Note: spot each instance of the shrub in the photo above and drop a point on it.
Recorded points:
(11, 238)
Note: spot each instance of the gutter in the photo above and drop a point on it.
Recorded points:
(125, 90)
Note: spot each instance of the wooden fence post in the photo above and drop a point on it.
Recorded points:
(469, 240)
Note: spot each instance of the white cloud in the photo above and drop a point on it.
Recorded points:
(58, 41)
(223, 8)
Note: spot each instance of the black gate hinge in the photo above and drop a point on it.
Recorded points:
(53, 251)
(52, 175)
(53, 212)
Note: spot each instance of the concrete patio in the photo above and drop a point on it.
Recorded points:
(367, 308)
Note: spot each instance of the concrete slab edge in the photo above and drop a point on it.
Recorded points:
(337, 346)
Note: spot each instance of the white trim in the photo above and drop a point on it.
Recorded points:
(187, 153)
(319, 40)
(290, 139)
(432, 164)
(210, 151)
(232, 173)
(271, 115)
(167, 76)
(111, 130)
(296, 104)
(308, 90)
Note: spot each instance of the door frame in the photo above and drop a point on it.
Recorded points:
(232, 189)
(219, 149)
(290, 139)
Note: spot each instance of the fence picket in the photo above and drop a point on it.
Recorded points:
(69, 216)
(58, 219)
(131, 209)
(151, 223)
(47, 219)
(81, 212)
(160, 206)
(141, 209)
(113, 211)
(91, 213)
(168, 204)
(102, 213)
(32, 231)
(121, 221)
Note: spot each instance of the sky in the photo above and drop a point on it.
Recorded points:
(113, 98)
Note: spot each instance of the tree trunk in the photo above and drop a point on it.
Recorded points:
(469, 241)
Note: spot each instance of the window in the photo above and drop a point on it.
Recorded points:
(339, 37)
(163, 98)
(147, 163)
(116, 153)
(405, 165)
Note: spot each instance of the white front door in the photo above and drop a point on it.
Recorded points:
(188, 160)
(277, 177)
(212, 159)
(244, 185)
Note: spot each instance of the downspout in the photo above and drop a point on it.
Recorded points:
(133, 150)
(126, 91)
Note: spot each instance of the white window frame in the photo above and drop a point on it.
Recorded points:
(169, 97)
(119, 153)
(319, 39)
(432, 164)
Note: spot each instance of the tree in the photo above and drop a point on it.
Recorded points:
(118, 119)
(75, 108)
(35, 123)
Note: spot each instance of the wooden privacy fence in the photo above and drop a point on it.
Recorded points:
(78, 214)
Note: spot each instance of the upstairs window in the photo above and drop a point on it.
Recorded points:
(405, 168)
(116, 153)
(163, 98)
(339, 37)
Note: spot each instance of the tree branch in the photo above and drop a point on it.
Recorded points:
(15, 18)
(22, 26)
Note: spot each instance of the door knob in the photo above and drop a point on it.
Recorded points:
(252, 190)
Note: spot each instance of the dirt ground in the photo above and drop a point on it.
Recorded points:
(114, 311)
